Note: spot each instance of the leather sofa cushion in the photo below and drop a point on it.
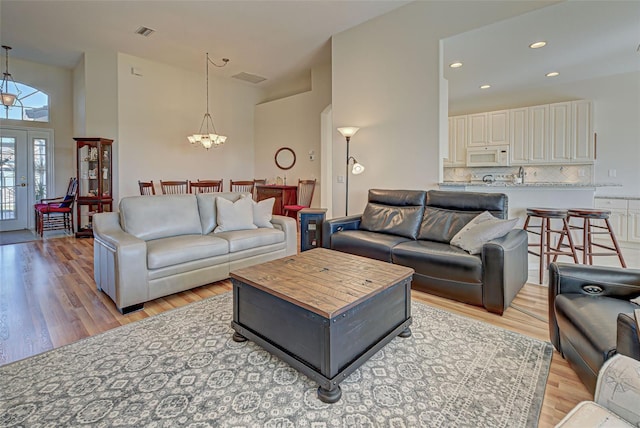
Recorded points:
(240, 240)
(496, 203)
(590, 324)
(207, 208)
(367, 244)
(400, 198)
(438, 260)
(161, 216)
(441, 225)
(395, 220)
(184, 248)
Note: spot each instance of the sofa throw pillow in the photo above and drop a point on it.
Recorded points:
(441, 225)
(236, 215)
(481, 230)
(262, 212)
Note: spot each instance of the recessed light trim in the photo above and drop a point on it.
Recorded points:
(552, 74)
(485, 86)
(145, 31)
(457, 64)
(538, 45)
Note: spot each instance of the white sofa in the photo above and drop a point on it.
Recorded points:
(164, 244)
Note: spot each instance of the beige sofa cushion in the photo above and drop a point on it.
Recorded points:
(185, 248)
(240, 240)
(160, 216)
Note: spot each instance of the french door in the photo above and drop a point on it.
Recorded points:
(25, 174)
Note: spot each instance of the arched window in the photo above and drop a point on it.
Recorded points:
(31, 105)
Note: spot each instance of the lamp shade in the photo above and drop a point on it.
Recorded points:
(8, 99)
(357, 169)
(348, 131)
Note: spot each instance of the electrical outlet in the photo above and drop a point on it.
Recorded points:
(341, 179)
(581, 172)
(613, 173)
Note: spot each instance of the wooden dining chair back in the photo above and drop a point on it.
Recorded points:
(57, 213)
(205, 186)
(257, 181)
(305, 195)
(146, 188)
(241, 186)
(174, 187)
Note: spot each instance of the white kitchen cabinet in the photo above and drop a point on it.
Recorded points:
(519, 136)
(633, 221)
(561, 145)
(498, 127)
(457, 141)
(583, 138)
(477, 128)
(539, 134)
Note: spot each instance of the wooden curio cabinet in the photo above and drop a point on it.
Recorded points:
(95, 181)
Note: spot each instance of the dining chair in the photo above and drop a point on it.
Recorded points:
(174, 187)
(57, 213)
(305, 195)
(146, 187)
(241, 186)
(205, 186)
(257, 181)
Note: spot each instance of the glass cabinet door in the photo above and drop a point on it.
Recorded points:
(105, 171)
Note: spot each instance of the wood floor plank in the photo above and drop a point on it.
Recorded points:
(48, 298)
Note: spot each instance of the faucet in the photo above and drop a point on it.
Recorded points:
(521, 174)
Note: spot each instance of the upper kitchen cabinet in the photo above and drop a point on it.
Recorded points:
(538, 131)
(457, 141)
(519, 135)
(490, 128)
(583, 138)
(560, 133)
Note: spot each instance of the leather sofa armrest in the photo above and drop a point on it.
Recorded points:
(329, 227)
(628, 336)
(112, 245)
(504, 262)
(290, 228)
(608, 281)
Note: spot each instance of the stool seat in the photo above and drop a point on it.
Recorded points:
(547, 212)
(589, 212)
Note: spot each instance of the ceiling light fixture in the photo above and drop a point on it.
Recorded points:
(485, 86)
(145, 31)
(8, 98)
(209, 137)
(552, 74)
(538, 45)
(455, 64)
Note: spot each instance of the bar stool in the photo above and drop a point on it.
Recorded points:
(588, 215)
(545, 250)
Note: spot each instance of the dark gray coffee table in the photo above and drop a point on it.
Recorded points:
(323, 312)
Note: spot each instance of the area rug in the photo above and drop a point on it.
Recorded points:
(181, 368)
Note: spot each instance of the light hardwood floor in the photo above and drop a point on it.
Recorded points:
(48, 298)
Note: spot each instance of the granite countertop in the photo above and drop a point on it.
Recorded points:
(531, 184)
(627, 197)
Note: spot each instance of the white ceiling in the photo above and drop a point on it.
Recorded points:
(282, 40)
(275, 39)
(585, 40)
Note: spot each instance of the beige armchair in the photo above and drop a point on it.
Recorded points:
(616, 402)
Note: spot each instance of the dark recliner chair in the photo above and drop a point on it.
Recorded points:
(591, 317)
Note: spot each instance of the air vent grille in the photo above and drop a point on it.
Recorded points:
(145, 31)
(247, 77)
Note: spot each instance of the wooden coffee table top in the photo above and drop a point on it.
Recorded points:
(323, 281)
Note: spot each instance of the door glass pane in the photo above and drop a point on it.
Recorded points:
(8, 178)
(40, 168)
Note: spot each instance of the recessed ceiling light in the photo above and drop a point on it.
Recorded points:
(537, 45)
(455, 65)
(485, 86)
(552, 74)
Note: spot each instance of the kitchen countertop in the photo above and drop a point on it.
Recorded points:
(531, 184)
(629, 198)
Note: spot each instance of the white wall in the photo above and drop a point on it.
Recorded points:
(386, 81)
(56, 82)
(156, 112)
(293, 122)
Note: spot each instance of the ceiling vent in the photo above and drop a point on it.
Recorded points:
(247, 77)
(145, 31)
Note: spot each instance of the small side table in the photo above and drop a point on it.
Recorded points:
(311, 220)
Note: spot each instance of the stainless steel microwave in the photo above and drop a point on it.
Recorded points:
(488, 156)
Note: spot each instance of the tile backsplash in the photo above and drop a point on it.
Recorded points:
(582, 174)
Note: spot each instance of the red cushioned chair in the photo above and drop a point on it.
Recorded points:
(305, 195)
(56, 213)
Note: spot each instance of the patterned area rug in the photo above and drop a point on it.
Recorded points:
(181, 368)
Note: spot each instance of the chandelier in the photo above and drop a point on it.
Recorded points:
(207, 135)
(8, 98)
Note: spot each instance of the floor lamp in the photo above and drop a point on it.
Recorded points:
(348, 132)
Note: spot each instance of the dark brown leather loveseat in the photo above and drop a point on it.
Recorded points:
(591, 317)
(414, 228)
